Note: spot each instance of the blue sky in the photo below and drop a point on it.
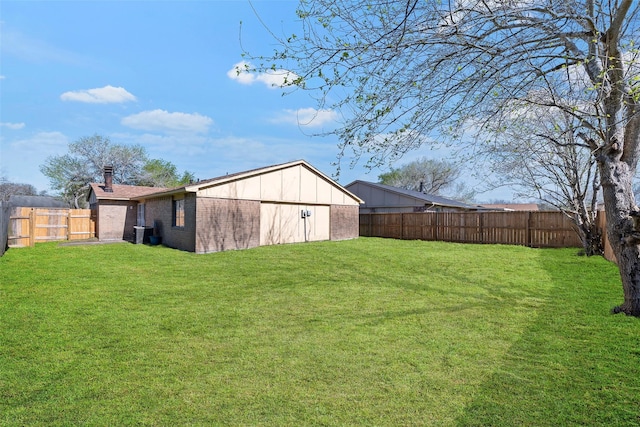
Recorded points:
(160, 74)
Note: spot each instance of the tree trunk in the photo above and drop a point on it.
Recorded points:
(591, 239)
(623, 229)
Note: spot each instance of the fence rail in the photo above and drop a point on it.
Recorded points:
(534, 229)
(30, 225)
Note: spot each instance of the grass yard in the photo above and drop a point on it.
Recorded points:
(362, 332)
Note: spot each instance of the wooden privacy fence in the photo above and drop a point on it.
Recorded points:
(534, 229)
(30, 225)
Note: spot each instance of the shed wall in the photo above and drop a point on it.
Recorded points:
(295, 184)
(159, 214)
(283, 223)
(345, 222)
(223, 224)
(115, 220)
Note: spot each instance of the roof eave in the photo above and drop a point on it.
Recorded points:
(164, 193)
(120, 199)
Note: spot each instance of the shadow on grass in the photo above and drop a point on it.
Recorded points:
(576, 364)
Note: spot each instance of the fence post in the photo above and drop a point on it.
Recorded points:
(528, 229)
(69, 224)
(32, 227)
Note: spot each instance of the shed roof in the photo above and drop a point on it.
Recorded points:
(196, 186)
(418, 196)
(123, 192)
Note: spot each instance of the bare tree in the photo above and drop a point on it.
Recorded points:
(8, 189)
(406, 72)
(541, 157)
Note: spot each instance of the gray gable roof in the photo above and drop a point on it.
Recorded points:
(36, 202)
(418, 196)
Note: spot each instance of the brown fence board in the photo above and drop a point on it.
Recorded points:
(30, 225)
(81, 224)
(535, 229)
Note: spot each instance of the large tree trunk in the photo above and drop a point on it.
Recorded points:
(623, 228)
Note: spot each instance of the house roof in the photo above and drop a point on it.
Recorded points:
(123, 192)
(36, 202)
(513, 206)
(418, 196)
(196, 186)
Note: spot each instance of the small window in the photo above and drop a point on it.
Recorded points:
(178, 213)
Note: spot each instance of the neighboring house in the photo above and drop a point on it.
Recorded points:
(512, 207)
(381, 198)
(286, 203)
(35, 202)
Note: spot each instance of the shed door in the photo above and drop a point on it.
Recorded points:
(318, 223)
(279, 224)
(283, 223)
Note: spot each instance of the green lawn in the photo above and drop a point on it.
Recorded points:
(363, 332)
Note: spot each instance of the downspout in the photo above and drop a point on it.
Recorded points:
(304, 216)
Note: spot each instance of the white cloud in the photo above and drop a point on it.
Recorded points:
(103, 95)
(307, 117)
(161, 120)
(12, 126)
(243, 74)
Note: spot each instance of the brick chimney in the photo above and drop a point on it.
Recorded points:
(108, 179)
